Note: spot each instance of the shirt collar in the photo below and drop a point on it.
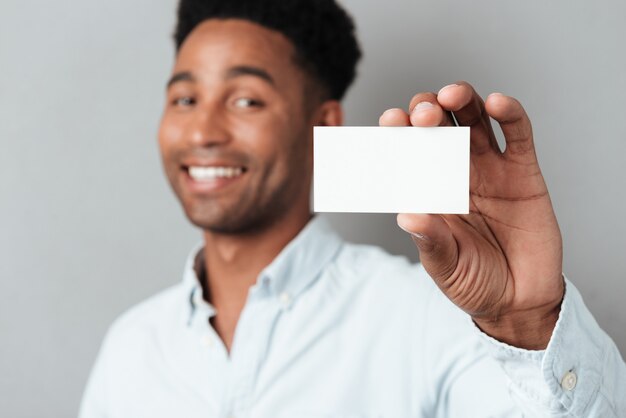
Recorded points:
(192, 290)
(298, 264)
(303, 259)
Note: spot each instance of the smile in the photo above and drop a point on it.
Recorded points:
(199, 173)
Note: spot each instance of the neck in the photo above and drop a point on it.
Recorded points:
(234, 261)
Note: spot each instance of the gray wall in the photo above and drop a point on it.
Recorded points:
(89, 226)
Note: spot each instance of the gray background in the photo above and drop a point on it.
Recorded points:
(89, 226)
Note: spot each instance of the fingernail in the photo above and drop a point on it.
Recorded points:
(447, 87)
(417, 235)
(422, 106)
(495, 94)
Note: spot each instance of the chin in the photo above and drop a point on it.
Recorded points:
(234, 223)
(222, 222)
(243, 214)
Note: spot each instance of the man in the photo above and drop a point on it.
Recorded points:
(277, 317)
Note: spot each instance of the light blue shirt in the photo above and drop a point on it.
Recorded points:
(332, 329)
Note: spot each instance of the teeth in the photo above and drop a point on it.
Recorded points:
(212, 173)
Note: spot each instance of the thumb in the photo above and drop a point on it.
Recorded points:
(439, 253)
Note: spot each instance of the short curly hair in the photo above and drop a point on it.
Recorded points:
(322, 33)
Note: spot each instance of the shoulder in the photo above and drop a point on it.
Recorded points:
(145, 322)
(395, 286)
(386, 289)
(371, 267)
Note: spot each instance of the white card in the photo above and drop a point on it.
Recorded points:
(391, 169)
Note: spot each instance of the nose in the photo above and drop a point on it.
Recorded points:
(208, 128)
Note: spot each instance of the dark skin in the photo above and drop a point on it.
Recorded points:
(502, 263)
(238, 99)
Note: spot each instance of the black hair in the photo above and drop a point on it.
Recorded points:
(322, 33)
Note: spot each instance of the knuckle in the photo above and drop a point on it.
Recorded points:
(520, 147)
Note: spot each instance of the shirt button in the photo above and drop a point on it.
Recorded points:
(207, 341)
(285, 299)
(569, 381)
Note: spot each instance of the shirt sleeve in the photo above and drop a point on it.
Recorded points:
(580, 374)
(93, 403)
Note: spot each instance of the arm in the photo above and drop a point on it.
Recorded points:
(93, 403)
(502, 263)
(579, 374)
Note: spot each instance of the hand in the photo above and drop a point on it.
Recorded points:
(502, 263)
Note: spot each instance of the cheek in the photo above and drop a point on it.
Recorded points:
(264, 139)
(170, 133)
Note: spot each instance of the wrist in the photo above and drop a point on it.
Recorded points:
(530, 329)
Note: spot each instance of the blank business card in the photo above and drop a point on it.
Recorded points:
(391, 169)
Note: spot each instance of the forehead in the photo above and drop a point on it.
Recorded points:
(217, 44)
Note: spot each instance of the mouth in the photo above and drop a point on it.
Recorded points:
(206, 174)
(210, 178)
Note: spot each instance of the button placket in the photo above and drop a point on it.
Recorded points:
(285, 300)
(253, 328)
(207, 341)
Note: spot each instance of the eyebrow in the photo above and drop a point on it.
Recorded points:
(234, 72)
(182, 76)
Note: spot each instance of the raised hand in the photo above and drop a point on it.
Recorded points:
(502, 263)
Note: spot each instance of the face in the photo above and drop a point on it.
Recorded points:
(235, 137)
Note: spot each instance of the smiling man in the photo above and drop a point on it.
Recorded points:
(276, 316)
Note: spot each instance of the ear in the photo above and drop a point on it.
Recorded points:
(330, 113)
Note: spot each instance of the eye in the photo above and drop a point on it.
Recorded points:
(184, 101)
(246, 102)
